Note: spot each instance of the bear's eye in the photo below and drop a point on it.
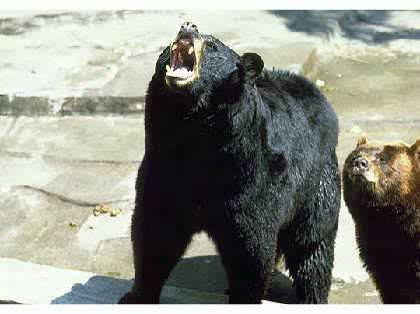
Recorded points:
(212, 45)
(381, 159)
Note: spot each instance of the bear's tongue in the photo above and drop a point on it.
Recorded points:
(182, 59)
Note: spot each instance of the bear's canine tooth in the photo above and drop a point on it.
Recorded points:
(168, 68)
(191, 50)
(174, 47)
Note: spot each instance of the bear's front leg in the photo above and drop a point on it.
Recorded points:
(159, 236)
(158, 244)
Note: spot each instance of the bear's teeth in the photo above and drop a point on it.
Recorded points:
(174, 47)
(181, 73)
(190, 51)
(168, 68)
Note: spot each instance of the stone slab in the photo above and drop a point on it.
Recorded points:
(30, 283)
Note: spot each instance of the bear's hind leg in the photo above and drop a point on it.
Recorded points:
(311, 267)
(308, 243)
(248, 256)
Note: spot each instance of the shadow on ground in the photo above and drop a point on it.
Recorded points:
(194, 280)
(97, 290)
(373, 27)
(206, 273)
(8, 302)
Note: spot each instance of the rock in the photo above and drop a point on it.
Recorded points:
(320, 83)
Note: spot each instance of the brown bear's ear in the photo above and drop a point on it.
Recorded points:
(253, 65)
(415, 148)
(363, 140)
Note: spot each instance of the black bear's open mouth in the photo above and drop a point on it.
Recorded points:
(184, 59)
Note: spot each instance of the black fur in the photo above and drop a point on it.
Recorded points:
(249, 159)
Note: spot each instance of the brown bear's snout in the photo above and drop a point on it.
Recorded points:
(360, 164)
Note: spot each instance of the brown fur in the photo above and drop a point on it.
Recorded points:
(384, 201)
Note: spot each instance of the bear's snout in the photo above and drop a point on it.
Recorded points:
(360, 164)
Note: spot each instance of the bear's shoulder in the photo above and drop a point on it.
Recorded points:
(296, 95)
(287, 82)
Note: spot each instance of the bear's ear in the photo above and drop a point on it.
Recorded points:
(415, 148)
(253, 65)
(362, 141)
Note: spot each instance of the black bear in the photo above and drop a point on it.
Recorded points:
(382, 192)
(244, 154)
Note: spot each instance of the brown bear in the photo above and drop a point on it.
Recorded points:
(382, 191)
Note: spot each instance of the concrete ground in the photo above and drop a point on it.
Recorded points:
(72, 137)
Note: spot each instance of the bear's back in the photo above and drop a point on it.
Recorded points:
(297, 106)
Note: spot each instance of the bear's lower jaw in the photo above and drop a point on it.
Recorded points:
(368, 177)
(180, 77)
(363, 184)
(174, 82)
(180, 73)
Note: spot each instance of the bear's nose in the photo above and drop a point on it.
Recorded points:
(188, 27)
(361, 163)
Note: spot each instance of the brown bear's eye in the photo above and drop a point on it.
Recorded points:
(381, 159)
